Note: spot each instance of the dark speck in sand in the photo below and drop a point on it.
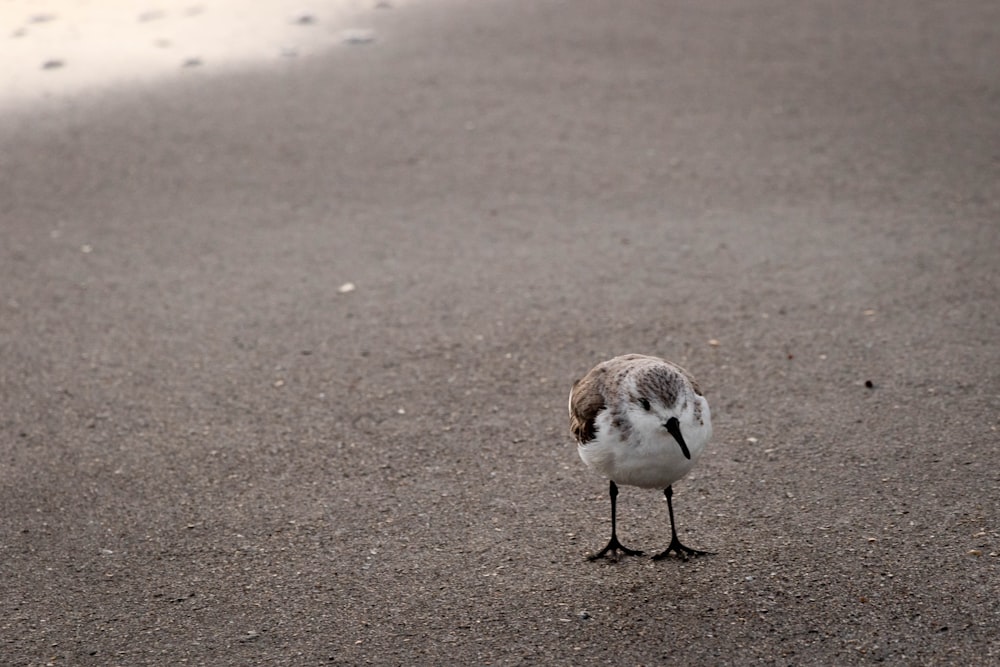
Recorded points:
(192, 62)
(53, 64)
(356, 37)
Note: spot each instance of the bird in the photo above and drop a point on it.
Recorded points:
(640, 421)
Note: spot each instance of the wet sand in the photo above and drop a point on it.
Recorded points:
(55, 49)
(212, 453)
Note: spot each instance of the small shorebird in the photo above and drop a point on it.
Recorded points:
(640, 421)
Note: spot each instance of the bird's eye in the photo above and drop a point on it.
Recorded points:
(644, 403)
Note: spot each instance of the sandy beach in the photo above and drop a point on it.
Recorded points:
(286, 343)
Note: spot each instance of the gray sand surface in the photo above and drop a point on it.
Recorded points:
(210, 455)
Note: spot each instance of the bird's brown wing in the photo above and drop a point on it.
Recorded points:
(585, 401)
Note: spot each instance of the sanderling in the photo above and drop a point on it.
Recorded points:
(640, 421)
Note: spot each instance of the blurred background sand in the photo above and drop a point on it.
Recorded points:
(58, 47)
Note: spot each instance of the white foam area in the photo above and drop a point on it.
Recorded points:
(57, 48)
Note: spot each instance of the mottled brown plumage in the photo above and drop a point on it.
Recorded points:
(586, 401)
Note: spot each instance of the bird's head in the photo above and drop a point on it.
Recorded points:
(650, 412)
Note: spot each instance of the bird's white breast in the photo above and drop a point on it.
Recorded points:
(648, 457)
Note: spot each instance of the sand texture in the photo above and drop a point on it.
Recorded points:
(285, 351)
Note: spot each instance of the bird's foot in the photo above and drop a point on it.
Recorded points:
(614, 547)
(682, 551)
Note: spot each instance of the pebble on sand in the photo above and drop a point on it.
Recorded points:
(357, 36)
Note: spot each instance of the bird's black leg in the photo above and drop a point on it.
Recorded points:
(675, 544)
(614, 546)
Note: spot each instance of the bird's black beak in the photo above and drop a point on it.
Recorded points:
(674, 427)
